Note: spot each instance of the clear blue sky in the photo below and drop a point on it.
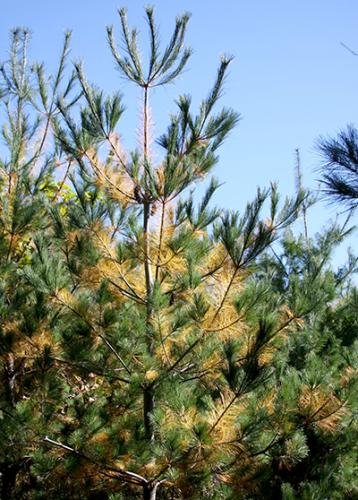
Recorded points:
(291, 79)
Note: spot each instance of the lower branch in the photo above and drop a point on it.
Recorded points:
(127, 476)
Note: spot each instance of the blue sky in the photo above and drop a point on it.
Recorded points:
(291, 79)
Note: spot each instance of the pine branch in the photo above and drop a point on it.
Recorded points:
(91, 369)
(106, 341)
(127, 476)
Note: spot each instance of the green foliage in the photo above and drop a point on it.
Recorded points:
(152, 346)
(340, 168)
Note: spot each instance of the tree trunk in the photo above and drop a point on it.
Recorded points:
(150, 491)
(9, 376)
(148, 406)
(146, 492)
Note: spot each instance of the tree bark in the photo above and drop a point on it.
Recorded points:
(150, 490)
(9, 378)
(146, 492)
(148, 406)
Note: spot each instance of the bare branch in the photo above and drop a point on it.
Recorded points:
(349, 49)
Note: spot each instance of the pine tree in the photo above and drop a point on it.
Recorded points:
(340, 168)
(150, 337)
(150, 346)
(27, 182)
(316, 372)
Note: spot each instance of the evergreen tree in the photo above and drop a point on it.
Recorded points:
(316, 372)
(340, 168)
(29, 383)
(150, 347)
